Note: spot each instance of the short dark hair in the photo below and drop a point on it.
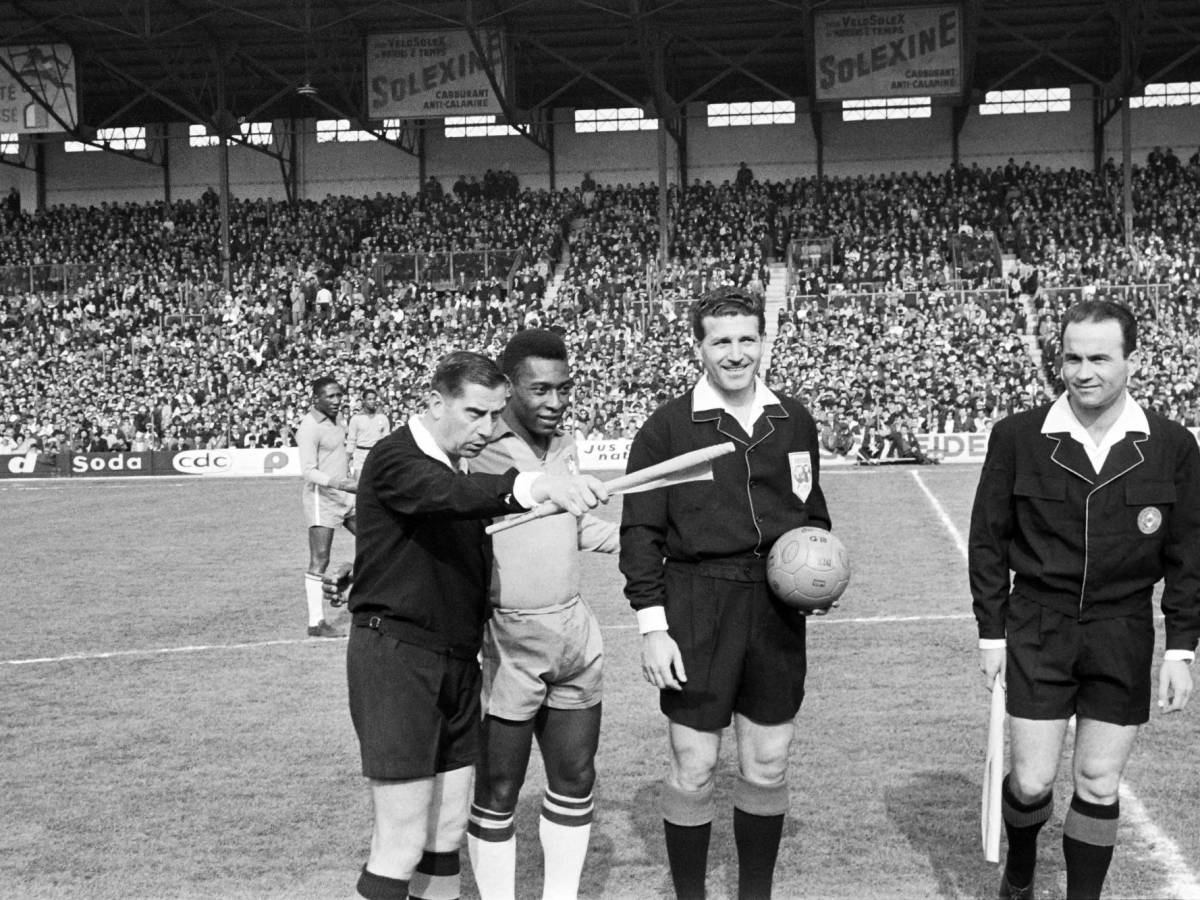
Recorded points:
(727, 301)
(463, 367)
(531, 342)
(319, 384)
(1102, 311)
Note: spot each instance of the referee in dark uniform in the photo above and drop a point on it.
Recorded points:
(715, 641)
(419, 601)
(1088, 502)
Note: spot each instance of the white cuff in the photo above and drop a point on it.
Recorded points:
(1186, 656)
(316, 476)
(523, 489)
(992, 643)
(652, 618)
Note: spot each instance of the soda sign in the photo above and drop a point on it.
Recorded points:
(108, 465)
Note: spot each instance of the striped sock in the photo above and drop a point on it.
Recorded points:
(687, 828)
(1089, 835)
(492, 846)
(565, 826)
(315, 598)
(379, 887)
(758, 812)
(1022, 822)
(436, 877)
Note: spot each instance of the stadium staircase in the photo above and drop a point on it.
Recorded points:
(775, 300)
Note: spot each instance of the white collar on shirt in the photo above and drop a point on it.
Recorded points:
(705, 396)
(429, 446)
(1062, 418)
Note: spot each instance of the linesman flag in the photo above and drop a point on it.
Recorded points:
(993, 776)
(695, 465)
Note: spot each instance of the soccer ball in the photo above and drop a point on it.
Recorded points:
(808, 568)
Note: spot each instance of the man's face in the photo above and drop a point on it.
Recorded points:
(1095, 368)
(541, 393)
(370, 401)
(328, 400)
(730, 352)
(463, 425)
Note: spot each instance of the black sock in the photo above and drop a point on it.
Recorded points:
(379, 887)
(1089, 833)
(757, 839)
(1022, 822)
(687, 853)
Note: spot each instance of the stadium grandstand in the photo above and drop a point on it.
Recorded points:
(280, 189)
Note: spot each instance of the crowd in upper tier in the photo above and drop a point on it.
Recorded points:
(116, 331)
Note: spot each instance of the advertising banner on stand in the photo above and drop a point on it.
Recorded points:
(234, 462)
(433, 74)
(901, 51)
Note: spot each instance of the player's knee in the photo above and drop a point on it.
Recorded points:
(499, 793)
(574, 779)
(691, 775)
(1029, 786)
(1097, 784)
(395, 853)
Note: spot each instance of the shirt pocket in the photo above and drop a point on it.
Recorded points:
(1040, 487)
(1041, 504)
(1148, 508)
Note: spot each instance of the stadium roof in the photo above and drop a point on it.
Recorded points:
(142, 61)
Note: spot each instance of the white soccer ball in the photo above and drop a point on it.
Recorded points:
(808, 568)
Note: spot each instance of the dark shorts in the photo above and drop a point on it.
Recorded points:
(1059, 667)
(416, 711)
(743, 651)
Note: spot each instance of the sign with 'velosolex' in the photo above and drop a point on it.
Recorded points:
(35, 79)
(904, 51)
(433, 74)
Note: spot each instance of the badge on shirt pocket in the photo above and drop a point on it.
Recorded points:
(800, 465)
(1149, 520)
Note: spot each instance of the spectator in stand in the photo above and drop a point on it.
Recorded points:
(744, 177)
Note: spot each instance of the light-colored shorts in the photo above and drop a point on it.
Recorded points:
(552, 656)
(327, 506)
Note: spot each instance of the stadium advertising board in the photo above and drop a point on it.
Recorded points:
(901, 51)
(433, 74)
(596, 456)
(605, 456)
(28, 465)
(108, 465)
(34, 78)
(225, 463)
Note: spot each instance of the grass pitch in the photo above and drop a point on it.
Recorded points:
(166, 730)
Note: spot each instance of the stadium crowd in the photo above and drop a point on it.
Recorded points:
(901, 324)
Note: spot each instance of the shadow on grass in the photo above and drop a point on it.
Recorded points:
(938, 813)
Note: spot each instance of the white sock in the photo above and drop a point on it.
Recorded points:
(565, 826)
(492, 847)
(315, 597)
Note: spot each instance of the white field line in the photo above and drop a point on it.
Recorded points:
(160, 651)
(1182, 883)
(213, 648)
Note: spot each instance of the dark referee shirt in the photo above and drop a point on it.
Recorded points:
(1086, 543)
(750, 501)
(421, 555)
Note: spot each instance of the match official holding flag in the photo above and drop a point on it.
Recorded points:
(715, 641)
(1089, 502)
